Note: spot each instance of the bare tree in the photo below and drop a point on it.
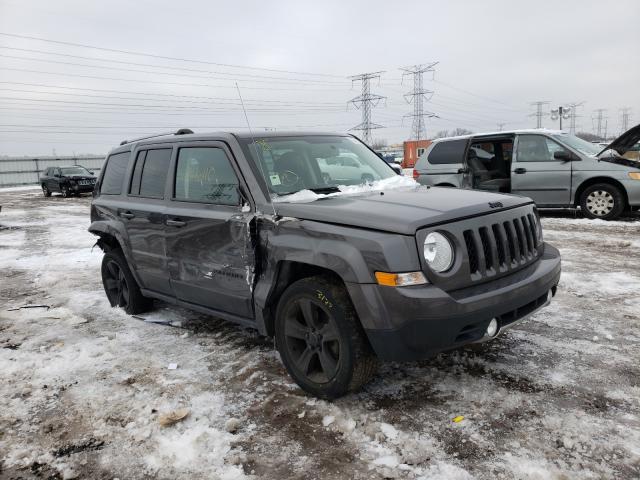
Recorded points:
(379, 143)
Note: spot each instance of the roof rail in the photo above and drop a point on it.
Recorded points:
(182, 131)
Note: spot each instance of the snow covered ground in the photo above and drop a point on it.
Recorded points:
(83, 386)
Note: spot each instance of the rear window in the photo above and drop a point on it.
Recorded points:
(154, 172)
(448, 152)
(114, 174)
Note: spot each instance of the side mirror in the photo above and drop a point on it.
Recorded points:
(56, 175)
(463, 170)
(565, 156)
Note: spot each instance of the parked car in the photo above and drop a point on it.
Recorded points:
(248, 230)
(553, 168)
(345, 169)
(73, 180)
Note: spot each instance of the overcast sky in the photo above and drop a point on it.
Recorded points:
(495, 58)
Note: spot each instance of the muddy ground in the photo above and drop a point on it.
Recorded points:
(83, 385)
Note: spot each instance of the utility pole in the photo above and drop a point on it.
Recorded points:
(365, 101)
(574, 114)
(561, 113)
(625, 116)
(539, 113)
(417, 96)
(500, 126)
(600, 119)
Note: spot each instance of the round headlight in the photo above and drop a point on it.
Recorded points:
(438, 252)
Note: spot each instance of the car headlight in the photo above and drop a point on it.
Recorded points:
(438, 252)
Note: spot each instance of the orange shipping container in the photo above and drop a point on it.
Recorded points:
(412, 151)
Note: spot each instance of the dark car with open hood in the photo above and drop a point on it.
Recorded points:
(344, 269)
(73, 180)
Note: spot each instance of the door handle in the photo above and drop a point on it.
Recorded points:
(127, 215)
(520, 170)
(175, 223)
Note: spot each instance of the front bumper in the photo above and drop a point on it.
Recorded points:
(411, 323)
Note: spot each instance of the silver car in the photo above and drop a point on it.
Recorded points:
(553, 168)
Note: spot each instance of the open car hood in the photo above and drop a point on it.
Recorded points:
(625, 141)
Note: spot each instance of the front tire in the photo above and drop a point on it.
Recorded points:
(602, 200)
(121, 288)
(320, 339)
(65, 192)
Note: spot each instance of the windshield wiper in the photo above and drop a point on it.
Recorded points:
(325, 190)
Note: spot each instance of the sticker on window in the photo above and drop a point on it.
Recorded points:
(275, 179)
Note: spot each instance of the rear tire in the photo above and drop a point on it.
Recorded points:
(602, 200)
(121, 288)
(45, 191)
(320, 339)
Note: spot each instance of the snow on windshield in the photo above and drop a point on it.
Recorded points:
(397, 182)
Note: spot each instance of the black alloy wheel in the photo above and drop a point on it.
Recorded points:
(120, 286)
(320, 339)
(312, 339)
(115, 285)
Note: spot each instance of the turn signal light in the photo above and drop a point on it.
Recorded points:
(634, 175)
(400, 279)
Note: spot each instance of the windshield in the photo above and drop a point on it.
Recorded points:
(318, 163)
(75, 171)
(584, 147)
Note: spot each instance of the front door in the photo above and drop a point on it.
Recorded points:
(144, 217)
(535, 173)
(211, 256)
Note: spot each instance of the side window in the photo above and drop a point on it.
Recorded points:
(448, 152)
(47, 172)
(537, 148)
(134, 187)
(154, 172)
(204, 174)
(114, 174)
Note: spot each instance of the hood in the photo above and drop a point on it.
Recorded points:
(625, 141)
(401, 212)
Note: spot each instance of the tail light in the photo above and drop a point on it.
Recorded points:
(416, 174)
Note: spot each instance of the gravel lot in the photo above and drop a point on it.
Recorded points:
(83, 386)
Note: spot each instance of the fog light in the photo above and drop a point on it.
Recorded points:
(492, 329)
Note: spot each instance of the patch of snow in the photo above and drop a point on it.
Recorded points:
(397, 182)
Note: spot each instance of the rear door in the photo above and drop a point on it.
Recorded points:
(444, 164)
(144, 216)
(211, 257)
(535, 173)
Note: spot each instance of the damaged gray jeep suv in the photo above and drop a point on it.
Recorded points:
(316, 241)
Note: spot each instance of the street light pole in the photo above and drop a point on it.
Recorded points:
(560, 113)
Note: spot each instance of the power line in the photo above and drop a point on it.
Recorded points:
(417, 96)
(539, 113)
(234, 75)
(366, 101)
(165, 94)
(76, 75)
(164, 57)
(120, 69)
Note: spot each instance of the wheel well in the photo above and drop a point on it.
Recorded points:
(593, 181)
(108, 242)
(287, 273)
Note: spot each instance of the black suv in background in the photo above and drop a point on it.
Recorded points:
(251, 230)
(68, 181)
